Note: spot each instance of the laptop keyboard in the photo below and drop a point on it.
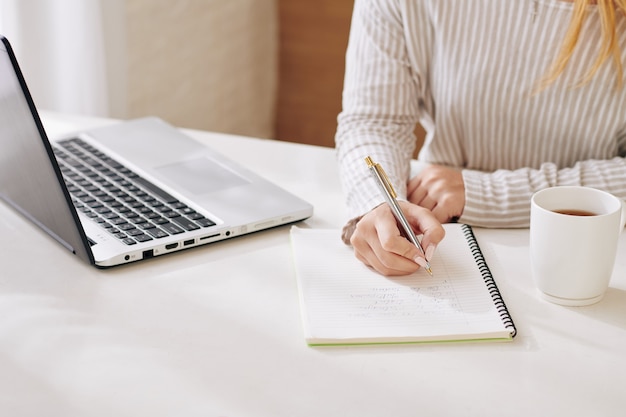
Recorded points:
(124, 204)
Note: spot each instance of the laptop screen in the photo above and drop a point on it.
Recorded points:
(30, 180)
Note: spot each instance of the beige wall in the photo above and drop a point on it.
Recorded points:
(205, 64)
(264, 68)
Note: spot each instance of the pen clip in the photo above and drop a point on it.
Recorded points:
(383, 176)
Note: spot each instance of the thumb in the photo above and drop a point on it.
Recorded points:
(424, 222)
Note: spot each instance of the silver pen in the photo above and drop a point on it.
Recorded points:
(390, 195)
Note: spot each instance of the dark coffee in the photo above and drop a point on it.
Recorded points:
(572, 212)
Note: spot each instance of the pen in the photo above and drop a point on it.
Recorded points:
(390, 195)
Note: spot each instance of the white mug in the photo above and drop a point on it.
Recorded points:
(574, 233)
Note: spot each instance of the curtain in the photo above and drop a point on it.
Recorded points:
(60, 47)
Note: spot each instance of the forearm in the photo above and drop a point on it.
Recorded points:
(502, 198)
(379, 106)
(389, 144)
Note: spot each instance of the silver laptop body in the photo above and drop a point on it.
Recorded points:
(129, 191)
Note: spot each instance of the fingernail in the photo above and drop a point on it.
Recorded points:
(430, 251)
(421, 261)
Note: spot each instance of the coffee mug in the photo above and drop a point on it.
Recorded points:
(574, 234)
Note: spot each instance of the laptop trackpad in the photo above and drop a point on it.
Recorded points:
(201, 175)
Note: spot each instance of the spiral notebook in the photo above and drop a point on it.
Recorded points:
(344, 302)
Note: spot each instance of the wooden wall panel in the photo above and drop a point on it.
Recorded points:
(312, 44)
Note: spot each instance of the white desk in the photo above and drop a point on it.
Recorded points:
(215, 331)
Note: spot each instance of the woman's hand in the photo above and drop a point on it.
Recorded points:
(378, 242)
(440, 189)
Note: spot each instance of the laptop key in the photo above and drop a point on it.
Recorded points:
(204, 222)
(142, 238)
(185, 223)
(156, 232)
(156, 190)
(171, 228)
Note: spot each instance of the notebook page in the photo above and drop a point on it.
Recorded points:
(343, 300)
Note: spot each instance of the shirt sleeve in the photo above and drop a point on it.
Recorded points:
(502, 198)
(380, 104)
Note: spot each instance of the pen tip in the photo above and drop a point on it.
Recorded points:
(429, 270)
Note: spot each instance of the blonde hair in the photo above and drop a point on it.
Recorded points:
(607, 9)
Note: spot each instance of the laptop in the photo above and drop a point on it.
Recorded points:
(130, 191)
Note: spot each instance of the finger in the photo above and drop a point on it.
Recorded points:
(390, 253)
(428, 202)
(394, 252)
(441, 213)
(417, 195)
(386, 263)
(427, 224)
(390, 264)
(413, 184)
(379, 243)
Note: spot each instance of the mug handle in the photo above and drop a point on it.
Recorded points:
(623, 222)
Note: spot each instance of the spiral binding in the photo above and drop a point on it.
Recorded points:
(488, 278)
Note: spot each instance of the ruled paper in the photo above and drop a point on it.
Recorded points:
(343, 301)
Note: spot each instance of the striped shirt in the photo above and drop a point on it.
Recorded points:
(468, 72)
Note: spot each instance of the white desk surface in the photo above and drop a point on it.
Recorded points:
(215, 331)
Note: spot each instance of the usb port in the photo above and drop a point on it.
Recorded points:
(188, 242)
